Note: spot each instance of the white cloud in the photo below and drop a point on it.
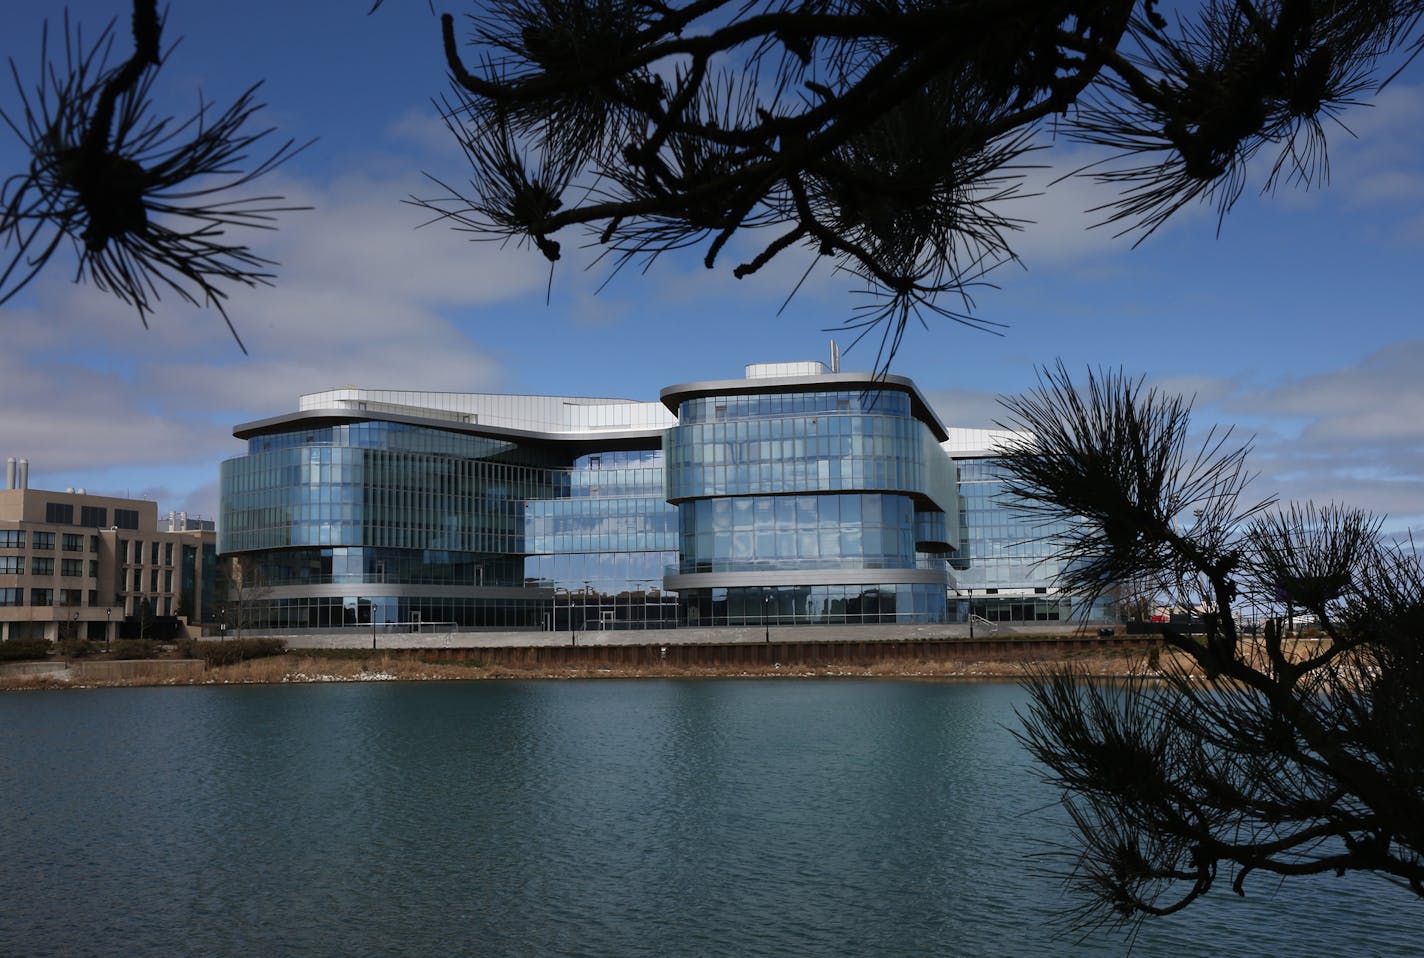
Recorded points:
(361, 297)
(1353, 435)
(1379, 400)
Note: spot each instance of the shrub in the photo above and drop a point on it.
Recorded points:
(135, 649)
(78, 648)
(18, 649)
(232, 651)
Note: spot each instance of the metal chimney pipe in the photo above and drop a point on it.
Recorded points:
(23, 475)
(10, 472)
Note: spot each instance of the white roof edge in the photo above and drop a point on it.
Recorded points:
(964, 443)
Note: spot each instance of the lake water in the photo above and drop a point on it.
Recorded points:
(778, 817)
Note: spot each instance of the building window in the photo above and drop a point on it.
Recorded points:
(153, 554)
(168, 580)
(71, 566)
(41, 597)
(71, 597)
(138, 552)
(138, 580)
(41, 565)
(93, 568)
(59, 513)
(12, 565)
(94, 517)
(153, 581)
(12, 538)
(42, 540)
(12, 596)
(93, 597)
(167, 553)
(126, 518)
(70, 542)
(94, 544)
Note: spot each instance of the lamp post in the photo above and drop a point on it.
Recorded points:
(971, 613)
(766, 615)
(108, 628)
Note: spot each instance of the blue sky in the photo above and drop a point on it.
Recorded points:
(1300, 322)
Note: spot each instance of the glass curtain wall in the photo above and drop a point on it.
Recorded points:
(382, 504)
(1006, 568)
(602, 542)
(380, 507)
(779, 485)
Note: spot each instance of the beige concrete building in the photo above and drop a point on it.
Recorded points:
(74, 565)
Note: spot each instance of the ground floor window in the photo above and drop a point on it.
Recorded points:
(817, 605)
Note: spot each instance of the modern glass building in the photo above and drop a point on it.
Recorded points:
(1007, 568)
(806, 496)
(793, 495)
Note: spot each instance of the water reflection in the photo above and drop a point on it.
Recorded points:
(574, 818)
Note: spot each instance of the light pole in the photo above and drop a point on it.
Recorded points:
(766, 615)
(108, 628)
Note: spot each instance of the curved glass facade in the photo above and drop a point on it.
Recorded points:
(822, 504)
(822, 453)
(781, 484)
(818, 605)
(1007, 567)
(751, 533)
(329, 495)
(385, 435)
(376, 506)
(783, 405)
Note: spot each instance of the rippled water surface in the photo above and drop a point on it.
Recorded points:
(570, 818)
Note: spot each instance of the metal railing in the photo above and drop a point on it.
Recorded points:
(982, 623)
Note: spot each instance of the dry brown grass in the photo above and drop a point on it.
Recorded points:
(24, 683)
(295, 667)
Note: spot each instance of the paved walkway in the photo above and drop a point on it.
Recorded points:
(363, 638)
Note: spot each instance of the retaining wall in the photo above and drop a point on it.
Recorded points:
(861, 653)
(129, 669)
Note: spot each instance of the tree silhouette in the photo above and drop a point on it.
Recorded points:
(885, 135)
(1280, 755)
(146, 201)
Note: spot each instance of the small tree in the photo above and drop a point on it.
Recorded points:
(244, 583)
(1279, 756)
(1137, 600)
(143, 620)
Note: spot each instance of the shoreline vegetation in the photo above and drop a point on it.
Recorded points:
(366, 666)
